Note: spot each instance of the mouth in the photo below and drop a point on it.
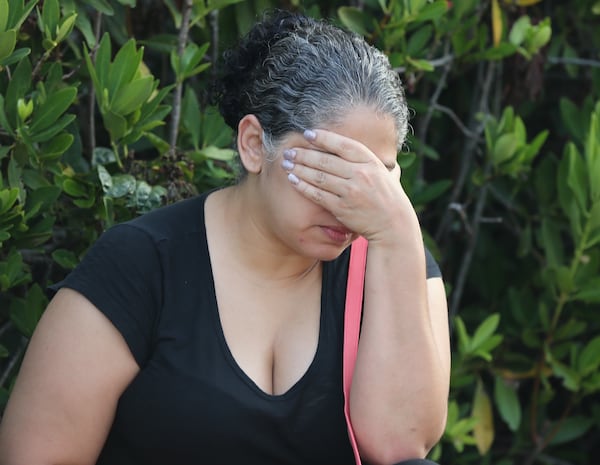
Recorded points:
(337, 234)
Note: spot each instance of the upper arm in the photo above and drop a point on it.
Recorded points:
(63, 403)
(438, 314)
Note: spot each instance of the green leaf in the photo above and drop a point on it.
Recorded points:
(484, 331)
(124, 67)
(355, 20)
(54, 129)
(116, 125)
(570, 330)
(8, 197)
(3, 15)
(482, 411)
(18, 55)
(191, 114)
(50, 16)
(508, 403)
(552, 243)
(212, 152)
(74, 188)
(16, 16)
(66, 26)
(130, 96)
(572, 428)
(65, 258)
(54, 106)
(519, 30)
(122, 185)
(102, 66)
(420, 64)
(589, 292)
(564, 279)
(25, 313)
(192, 56)
(571, 118)
(540, 37)
(571, 379)
(41, 199)
(577, 177)
(589, 358)
(504, 148)
(432, 11)
(105, 178)
(464, 340)
(214, 129)
(3, 119)
(17, 88)
(592, 155)
(57, 146)
(431, 191)
(102, 6)
(419, 40)
(8, 40)
(501, 51)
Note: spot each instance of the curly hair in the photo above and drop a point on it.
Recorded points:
(294, 72)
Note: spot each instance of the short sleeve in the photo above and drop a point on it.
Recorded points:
(121, 275)
(433, 269)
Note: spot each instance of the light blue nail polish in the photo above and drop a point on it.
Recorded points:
(287, 165)
(289, 154)
(293, 178)
(310, 135)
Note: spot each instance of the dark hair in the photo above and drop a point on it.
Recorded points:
(294, 72)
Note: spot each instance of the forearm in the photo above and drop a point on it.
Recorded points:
(400, 388)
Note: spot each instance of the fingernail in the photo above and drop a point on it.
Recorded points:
(293, 178)
(287, 165)
(310, 135)
(289, 154)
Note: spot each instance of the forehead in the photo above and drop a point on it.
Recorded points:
(375, 130)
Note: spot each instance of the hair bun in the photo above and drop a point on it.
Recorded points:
(240, 62)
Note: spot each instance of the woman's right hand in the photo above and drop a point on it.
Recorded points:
(63, 404)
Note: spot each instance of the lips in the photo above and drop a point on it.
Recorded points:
(337, 234)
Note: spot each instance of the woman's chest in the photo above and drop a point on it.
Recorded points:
(193, 403)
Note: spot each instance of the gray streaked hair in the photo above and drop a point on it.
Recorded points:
(295, 73)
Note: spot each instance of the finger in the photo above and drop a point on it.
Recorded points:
(316, 177)
(321, 161)
(346, 148)
(314, 193)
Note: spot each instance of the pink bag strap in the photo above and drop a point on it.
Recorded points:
(352, 317)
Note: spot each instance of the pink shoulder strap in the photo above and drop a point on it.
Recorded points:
(352, 317)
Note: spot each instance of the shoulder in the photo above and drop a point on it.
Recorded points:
(171, 221)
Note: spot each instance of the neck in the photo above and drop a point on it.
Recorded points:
(250, 242)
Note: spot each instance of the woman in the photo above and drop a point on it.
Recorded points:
(210, 331)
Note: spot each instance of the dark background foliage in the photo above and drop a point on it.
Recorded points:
(105, 114)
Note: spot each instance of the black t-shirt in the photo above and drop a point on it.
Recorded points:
(191, 403)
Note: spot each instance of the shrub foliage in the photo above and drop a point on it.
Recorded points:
(105, 114)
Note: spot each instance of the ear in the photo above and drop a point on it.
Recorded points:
(249, 144)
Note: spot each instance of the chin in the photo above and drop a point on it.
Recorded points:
(329, 252)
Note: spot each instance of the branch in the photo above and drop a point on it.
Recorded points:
(573, 61)
(436, 62)
(92, 96)
(183, 38)
(5, 327)
(454, 117)
(13, 361)
(465, 264)
(424, 127)
(214, 22)
(469, 151)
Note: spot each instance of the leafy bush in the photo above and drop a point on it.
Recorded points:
(104, 115)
